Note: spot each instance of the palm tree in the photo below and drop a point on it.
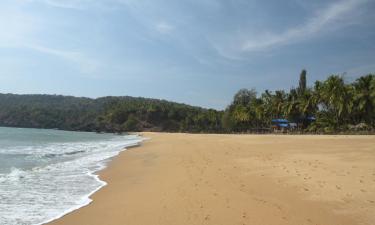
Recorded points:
(291, 106)
(364, 92)
(267, 105)
(259, 112)
(335, 98)
(278, 103)
(307, 106)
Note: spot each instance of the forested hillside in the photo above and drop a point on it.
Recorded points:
(108, 114)
(335, 105)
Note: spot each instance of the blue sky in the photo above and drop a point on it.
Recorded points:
(198, 52)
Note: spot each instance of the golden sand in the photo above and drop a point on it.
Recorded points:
(192, 179)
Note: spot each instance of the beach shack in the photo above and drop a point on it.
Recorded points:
(280, 125)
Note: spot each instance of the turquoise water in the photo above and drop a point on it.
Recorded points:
(45, 174)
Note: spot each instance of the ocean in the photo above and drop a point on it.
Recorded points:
(45, 174)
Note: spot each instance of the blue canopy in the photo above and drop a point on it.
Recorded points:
(312, 118)
(283, 125)
(280, 121)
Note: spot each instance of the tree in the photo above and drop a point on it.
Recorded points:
(131, 124)
(295, 108)
(244, 96)
(364, 99)
(302, 82)
(335, 100)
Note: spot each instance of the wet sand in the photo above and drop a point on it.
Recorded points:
(191, 179)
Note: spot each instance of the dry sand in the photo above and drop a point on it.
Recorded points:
(186, 179)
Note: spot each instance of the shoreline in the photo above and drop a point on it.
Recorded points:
(173, 173)
(87, 197)
(96, 176)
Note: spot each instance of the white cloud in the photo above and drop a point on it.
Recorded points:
(164, 27)
(15, 26)
(86, 65)
(21, 30)
(236, 45)
(68, 4)
(322, 20)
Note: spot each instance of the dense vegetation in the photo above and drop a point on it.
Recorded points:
(108, 114)
(337, 106)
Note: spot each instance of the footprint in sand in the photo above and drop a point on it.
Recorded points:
(278, 207)
(349, 195)
(338, 187)
(260, 200)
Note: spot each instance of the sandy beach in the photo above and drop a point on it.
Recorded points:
(191, 179)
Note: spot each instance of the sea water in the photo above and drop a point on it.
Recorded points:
(45, 174)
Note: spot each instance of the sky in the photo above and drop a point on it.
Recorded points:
(199, 52)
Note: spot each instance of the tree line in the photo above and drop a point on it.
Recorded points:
(107, 114)
(335, 105)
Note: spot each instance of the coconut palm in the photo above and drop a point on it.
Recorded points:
(363, 91)
(291, 106)
(335, 99)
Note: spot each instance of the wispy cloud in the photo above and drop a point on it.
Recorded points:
(334, 16)
(85, 64)
(21, 30)
(164, 27)
(322, 20)
(68, 4)
(79, 4)
(15, 26)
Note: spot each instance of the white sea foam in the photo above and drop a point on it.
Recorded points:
(61, 183)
